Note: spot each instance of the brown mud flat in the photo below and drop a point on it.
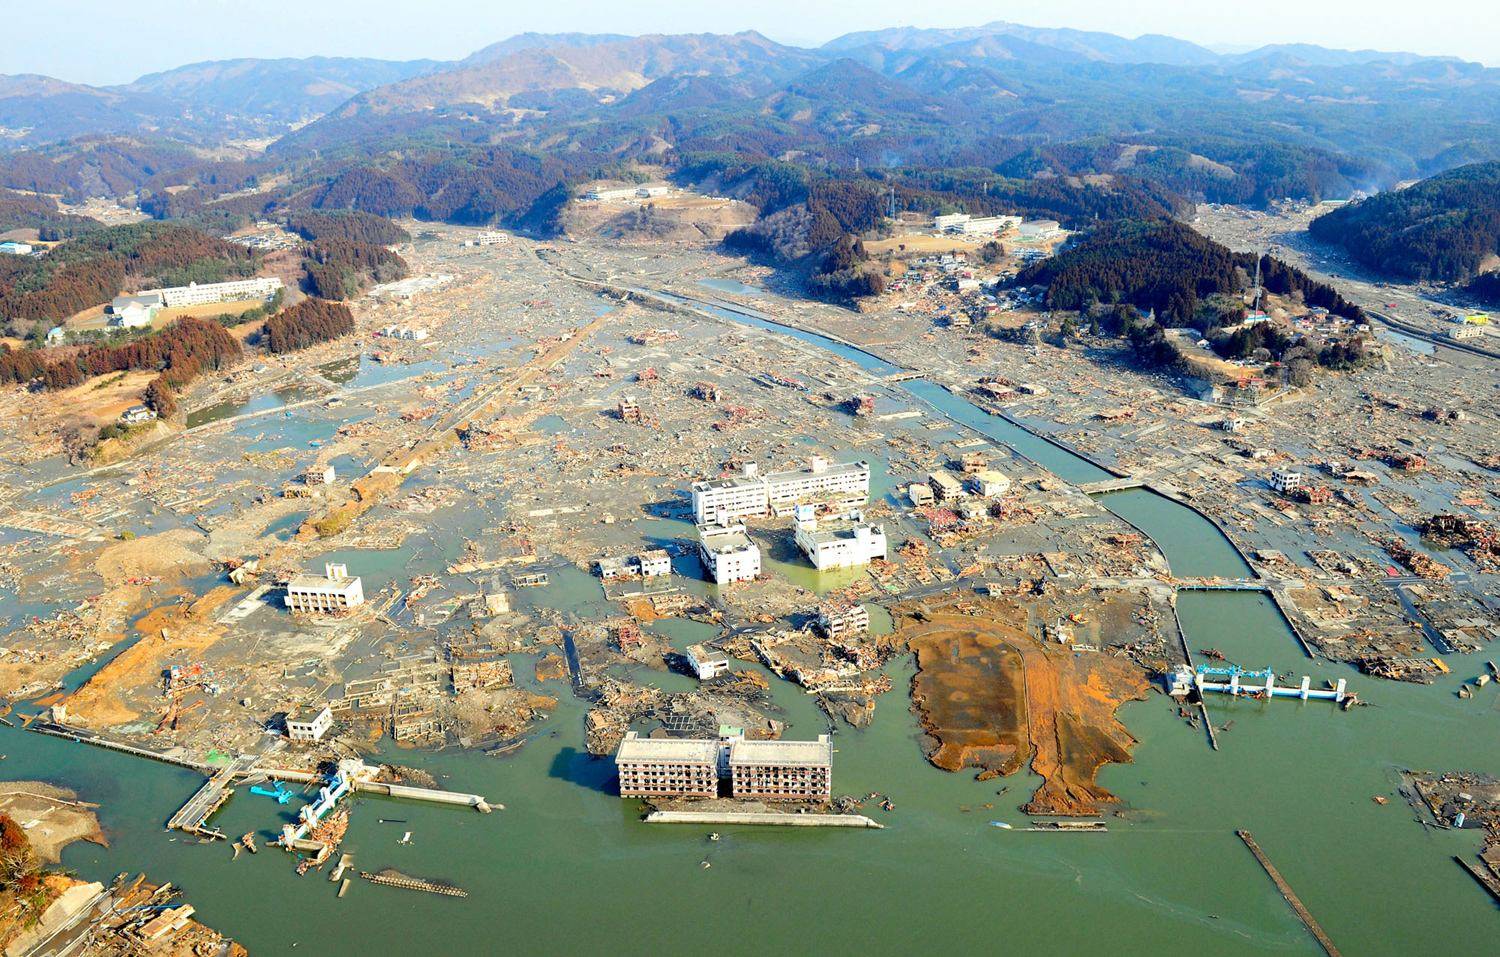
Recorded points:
(52, 817)
(991, 696)
(100, 702)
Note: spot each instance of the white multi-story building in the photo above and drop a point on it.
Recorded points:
(667, 767)
(333, 591)
(309, 725)
(724, 500)
(728, 554)
(1287, 481)
(838, 544)
(949, 221)
(781, 770)
(841, 485)
(198, 294)
(945, 486)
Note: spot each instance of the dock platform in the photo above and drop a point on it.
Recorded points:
(762, 818)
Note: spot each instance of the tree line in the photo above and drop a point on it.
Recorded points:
(308, 323)
(341, 268)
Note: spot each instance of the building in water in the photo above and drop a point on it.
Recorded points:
(727, 553)
(781, 770)
(333, 591)
(843, 619)
(756, 770)
(840, 543)
(667, 767)
(707, 663)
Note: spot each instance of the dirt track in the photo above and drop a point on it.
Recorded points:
(993, 697)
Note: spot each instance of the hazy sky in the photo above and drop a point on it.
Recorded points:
(113, 41)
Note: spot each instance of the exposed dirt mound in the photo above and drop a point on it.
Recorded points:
(167, 555)
(993, 697)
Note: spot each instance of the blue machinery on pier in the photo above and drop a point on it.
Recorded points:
(1235, 681)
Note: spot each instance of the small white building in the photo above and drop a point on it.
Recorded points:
(706, 664)
(137, 414)
(333, 591)
(645, 565)
(1287, 481)
(728, 554)
(920, 494)
(989, 483)
(844, 543)
(1039, 229)
(651, 192)
(307, 725)
(654, 563)
(134, 312)
(15, 248)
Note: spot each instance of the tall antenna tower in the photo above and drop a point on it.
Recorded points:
(893, 203)
(1255, 303)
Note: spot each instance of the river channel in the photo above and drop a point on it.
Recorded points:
(568, 868)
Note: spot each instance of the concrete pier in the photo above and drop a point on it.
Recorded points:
(1303, 914)
(776, 819)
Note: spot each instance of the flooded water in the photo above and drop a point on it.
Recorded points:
(568, 868)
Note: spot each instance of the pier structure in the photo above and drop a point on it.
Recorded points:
(1237, 682)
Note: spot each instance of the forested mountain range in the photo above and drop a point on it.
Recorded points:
(1065, 124)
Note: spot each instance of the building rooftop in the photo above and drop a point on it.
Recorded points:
(695, 750)
(812, 753)
(733, 481)
(139, 299)
(837, 530)
(309, 582)
(724, 540)
(832, 468)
